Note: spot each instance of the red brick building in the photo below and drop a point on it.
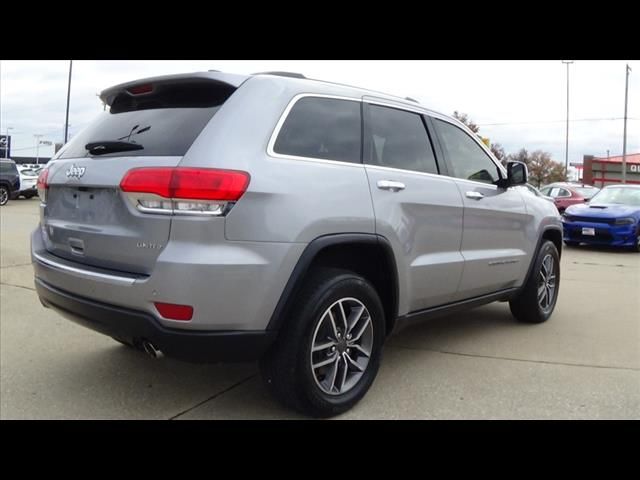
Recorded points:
(600, 172)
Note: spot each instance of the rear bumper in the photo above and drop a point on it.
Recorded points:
(605, 234)
(135, 326)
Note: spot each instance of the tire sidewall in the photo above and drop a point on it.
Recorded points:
(343, 286)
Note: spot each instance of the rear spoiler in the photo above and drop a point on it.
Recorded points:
(109, 94)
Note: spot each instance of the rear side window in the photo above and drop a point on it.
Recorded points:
(165, 121)
(468, 160)
(399, 139)
(325, 128)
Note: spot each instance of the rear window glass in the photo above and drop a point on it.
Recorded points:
(586, 192)
(8, 167)
(323, 128)
(165, 122)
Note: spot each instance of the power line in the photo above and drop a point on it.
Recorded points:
(556, 121)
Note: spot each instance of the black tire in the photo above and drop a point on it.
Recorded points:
(526, 307)
(636, 247)
(286, 368)
(571, 244)
(4, 195)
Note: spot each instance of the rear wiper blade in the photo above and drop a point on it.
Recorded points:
(110, 146)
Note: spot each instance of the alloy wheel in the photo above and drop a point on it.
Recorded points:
(341, 346)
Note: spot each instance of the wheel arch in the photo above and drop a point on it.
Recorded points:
(369, 255)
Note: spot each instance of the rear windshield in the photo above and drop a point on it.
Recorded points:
(164, 122)
(8, 167)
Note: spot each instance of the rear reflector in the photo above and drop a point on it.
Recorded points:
(172, 311)
(187, 183)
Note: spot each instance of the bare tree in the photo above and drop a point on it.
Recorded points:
(499, 153)
(542, 168)
(464, 118)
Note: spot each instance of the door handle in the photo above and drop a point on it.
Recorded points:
(475, 195)
(390, 185)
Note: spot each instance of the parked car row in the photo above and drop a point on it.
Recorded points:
(608, 216)
(17, 180)
(611, 217)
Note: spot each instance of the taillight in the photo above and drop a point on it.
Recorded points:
(42, 184)
(173, 311)
(183, 190)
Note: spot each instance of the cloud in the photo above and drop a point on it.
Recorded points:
(33, 95)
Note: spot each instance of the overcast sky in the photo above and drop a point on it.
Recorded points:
(525, 98)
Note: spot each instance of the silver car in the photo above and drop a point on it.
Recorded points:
(219, 217)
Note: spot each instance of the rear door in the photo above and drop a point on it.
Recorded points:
(416, 209)
(86, 217)
(494, 243)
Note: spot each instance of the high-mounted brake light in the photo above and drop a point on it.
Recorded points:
(42, 184)
(183, 190)
(140, 89)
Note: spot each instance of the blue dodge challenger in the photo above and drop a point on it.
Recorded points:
(612, 217)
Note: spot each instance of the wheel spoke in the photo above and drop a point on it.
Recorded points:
(356, 314)
(333, 325)
(344, 374)
(542, 294)
(334, 373)
(362, 330)
(344, 318)
(323, 346)
(352, 362)
(324, 362)
(360, 349)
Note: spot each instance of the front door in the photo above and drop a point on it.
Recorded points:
(494, 244)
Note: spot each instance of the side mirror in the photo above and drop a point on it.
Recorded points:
(517, 173)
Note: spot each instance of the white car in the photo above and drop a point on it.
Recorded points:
(28, 181)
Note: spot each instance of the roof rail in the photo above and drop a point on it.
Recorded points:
(411, 99)
(282, 74)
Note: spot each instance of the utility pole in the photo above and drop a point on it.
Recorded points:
(566, 148)
(624, 141)
(66, 121)
(38, 136)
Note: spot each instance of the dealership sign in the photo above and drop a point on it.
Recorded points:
(5, 146)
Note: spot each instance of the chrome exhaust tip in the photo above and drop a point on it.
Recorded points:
(151, 350)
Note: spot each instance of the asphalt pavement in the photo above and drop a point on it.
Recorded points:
(584, 363)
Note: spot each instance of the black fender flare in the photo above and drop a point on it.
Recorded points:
(537, 249)
(307, 257)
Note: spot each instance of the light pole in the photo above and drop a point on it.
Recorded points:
(624, 141)
(38, 136)
(66, 120)
(6, 147)
(566, 147)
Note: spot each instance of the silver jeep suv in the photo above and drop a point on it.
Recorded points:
(218, 217)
